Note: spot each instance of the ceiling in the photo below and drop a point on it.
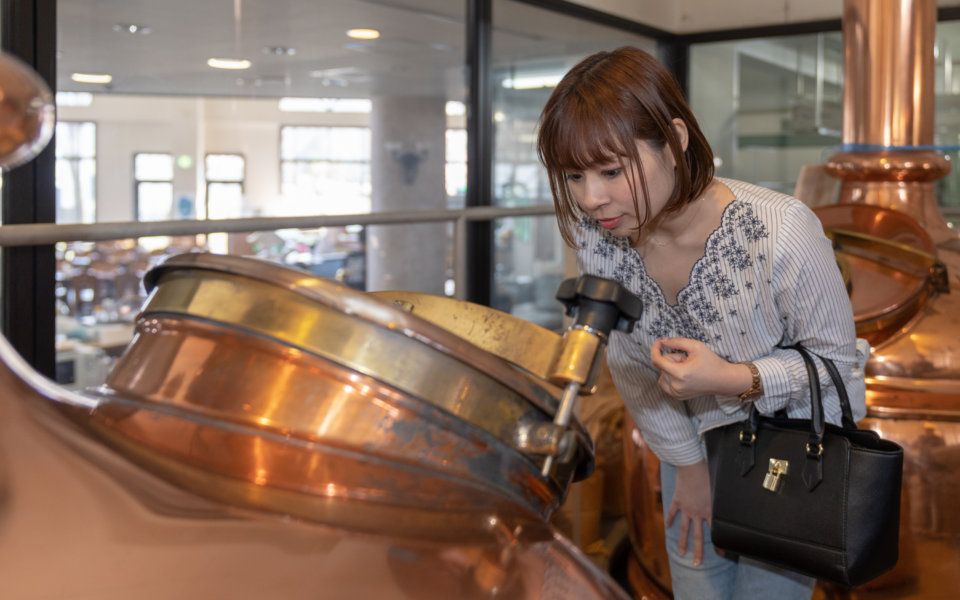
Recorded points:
(421, 51)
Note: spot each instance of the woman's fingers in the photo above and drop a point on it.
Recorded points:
(679, 344)
(663, 357)
(684, 532)
(698, 544)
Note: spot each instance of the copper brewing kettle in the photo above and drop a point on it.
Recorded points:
(268, 433)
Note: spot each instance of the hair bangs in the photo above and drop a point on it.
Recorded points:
(580, 140)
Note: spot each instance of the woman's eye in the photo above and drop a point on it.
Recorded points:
(573, 177)
(611, 172)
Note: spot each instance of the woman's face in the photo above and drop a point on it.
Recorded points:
(604, 192)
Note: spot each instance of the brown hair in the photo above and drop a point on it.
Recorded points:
(600, 108)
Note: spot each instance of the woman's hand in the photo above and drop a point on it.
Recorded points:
(690, 369)
(691, 501)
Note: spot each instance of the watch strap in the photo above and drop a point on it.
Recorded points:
(756, 385)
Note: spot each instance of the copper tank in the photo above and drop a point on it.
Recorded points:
(902, 264)
(269, 434)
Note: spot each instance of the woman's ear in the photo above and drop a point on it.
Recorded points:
(680, 127)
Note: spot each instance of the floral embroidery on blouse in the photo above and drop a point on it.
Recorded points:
(762, 236)
(699, 305)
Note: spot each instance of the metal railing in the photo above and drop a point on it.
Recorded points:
(47, 233)
(40, 234)
(950, 212)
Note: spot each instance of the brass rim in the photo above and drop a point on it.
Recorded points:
(383, 354)
(362, 306)
(519, 342)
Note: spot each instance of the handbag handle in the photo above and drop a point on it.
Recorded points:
(812, 472)
(846, 411)
(813, 468)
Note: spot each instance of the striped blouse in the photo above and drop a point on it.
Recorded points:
(767, 278)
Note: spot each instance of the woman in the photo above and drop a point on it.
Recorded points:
(729, 274)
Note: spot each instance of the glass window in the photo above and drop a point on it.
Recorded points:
(325, 170)
(325, 143)
(153, 167)
(772, 106)
(224, 174)
(154, 184)
(225, 167)
(224, 200)
(456, 168)
(316, 116)
(532, 49)
(76, 172)
(947, 119)
(154, 200)
(769, 106)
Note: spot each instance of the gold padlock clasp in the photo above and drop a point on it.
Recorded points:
(775, 472)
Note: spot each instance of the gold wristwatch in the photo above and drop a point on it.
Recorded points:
(756, 386)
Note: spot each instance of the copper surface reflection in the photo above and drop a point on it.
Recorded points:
(888, 95)
(114, 530)
(890, 265)
(304, 401)
(27, 112)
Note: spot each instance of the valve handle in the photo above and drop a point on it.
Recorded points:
(598, 306)
(601, 304)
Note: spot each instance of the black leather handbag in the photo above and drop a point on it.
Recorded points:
(805, 495)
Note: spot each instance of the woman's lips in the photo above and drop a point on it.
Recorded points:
(609, 223)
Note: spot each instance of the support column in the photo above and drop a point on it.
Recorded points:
(407, 163)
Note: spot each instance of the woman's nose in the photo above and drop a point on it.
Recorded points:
(594, 194)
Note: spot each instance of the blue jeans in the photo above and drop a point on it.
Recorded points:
(718, 577)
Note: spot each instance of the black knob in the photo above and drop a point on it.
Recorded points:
(602, 304)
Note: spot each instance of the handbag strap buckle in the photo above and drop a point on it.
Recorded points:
(814, 450)
(747, 453)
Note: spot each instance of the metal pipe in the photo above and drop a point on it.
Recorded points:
(889, 66)
(564, 412)
(39, 234)
(47, 233)
(888, 104)
(950, 212)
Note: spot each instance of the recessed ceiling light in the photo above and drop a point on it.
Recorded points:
(131, 28)
(228, 63)
(279, 50)
(91, 78)
(363, 34)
